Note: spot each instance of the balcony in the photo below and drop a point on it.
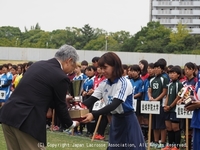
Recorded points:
(176, 12)
(176, 3)
(176, 21)
(192, 31)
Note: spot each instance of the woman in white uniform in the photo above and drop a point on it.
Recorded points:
(117, 91)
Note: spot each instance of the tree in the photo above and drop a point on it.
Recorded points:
(100, 44)
(178, 37)
(59, 37)
(37, 26)
(150, 39)
(38, 40)
(87, 34)
(9, 32)
(189, 42)
(9, 36)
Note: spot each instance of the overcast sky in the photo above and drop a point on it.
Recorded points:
(110, 15)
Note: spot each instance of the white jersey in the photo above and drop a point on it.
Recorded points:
(120, 89)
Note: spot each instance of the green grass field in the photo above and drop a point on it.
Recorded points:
(63, 141)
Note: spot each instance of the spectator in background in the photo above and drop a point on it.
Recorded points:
(5, 83)
(182, 78)
(195, 117)
(14, 73)
(143, 64)
(163, 62)
(104, 120)
(87, 92)
(71, 75)
(19, 75)
(125, 67)
(145, 117)
(169, 67)
(171, 121)
(9, 67)
(137, 84)
(0, 70)
(190, 73)
(78, 74)
(27, 65)
(84, 64)
(156, 92)
(95, 61)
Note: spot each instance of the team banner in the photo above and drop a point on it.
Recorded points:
(2, 94)
(150, 107)
(182, 113)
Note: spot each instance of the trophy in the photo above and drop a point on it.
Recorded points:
(77, 109)
(189, 100)
(186, 94)
(77, 86)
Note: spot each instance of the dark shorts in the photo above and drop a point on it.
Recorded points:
(146, 116)
(183, 124)
(125, 133)
(138, 108)
(158, 120)
(171, 116)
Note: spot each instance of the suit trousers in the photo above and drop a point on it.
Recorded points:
(18, 140)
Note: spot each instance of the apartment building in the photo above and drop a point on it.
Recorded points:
(172, 12)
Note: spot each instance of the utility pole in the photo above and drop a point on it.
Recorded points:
(106, 48)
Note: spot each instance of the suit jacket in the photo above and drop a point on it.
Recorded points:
(43, 83)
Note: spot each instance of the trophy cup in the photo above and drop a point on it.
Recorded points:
(77, 86)
(77, 109)
(186, 94)
(189, 100)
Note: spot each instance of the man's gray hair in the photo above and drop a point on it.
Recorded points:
(65, 52)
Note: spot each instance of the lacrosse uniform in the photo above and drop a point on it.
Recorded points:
(138, 87)
(157, 84)
(88, 84)
(173, 89)
(4, 79)
(125, 131)
(80, 77)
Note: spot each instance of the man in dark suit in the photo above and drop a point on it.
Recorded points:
(23, 116)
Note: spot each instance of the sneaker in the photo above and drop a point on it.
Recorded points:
(47, 126)
(96, 137)
(174, 148)
(101, 137)
(68, 131)
(151, 144)
(55, 128)
(160, 145)
(154, 145)
(77, 133)
(88, 134)
(166, 148)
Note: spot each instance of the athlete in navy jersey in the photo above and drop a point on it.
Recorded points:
(196, 116)
(117, 91)
(189, 69)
